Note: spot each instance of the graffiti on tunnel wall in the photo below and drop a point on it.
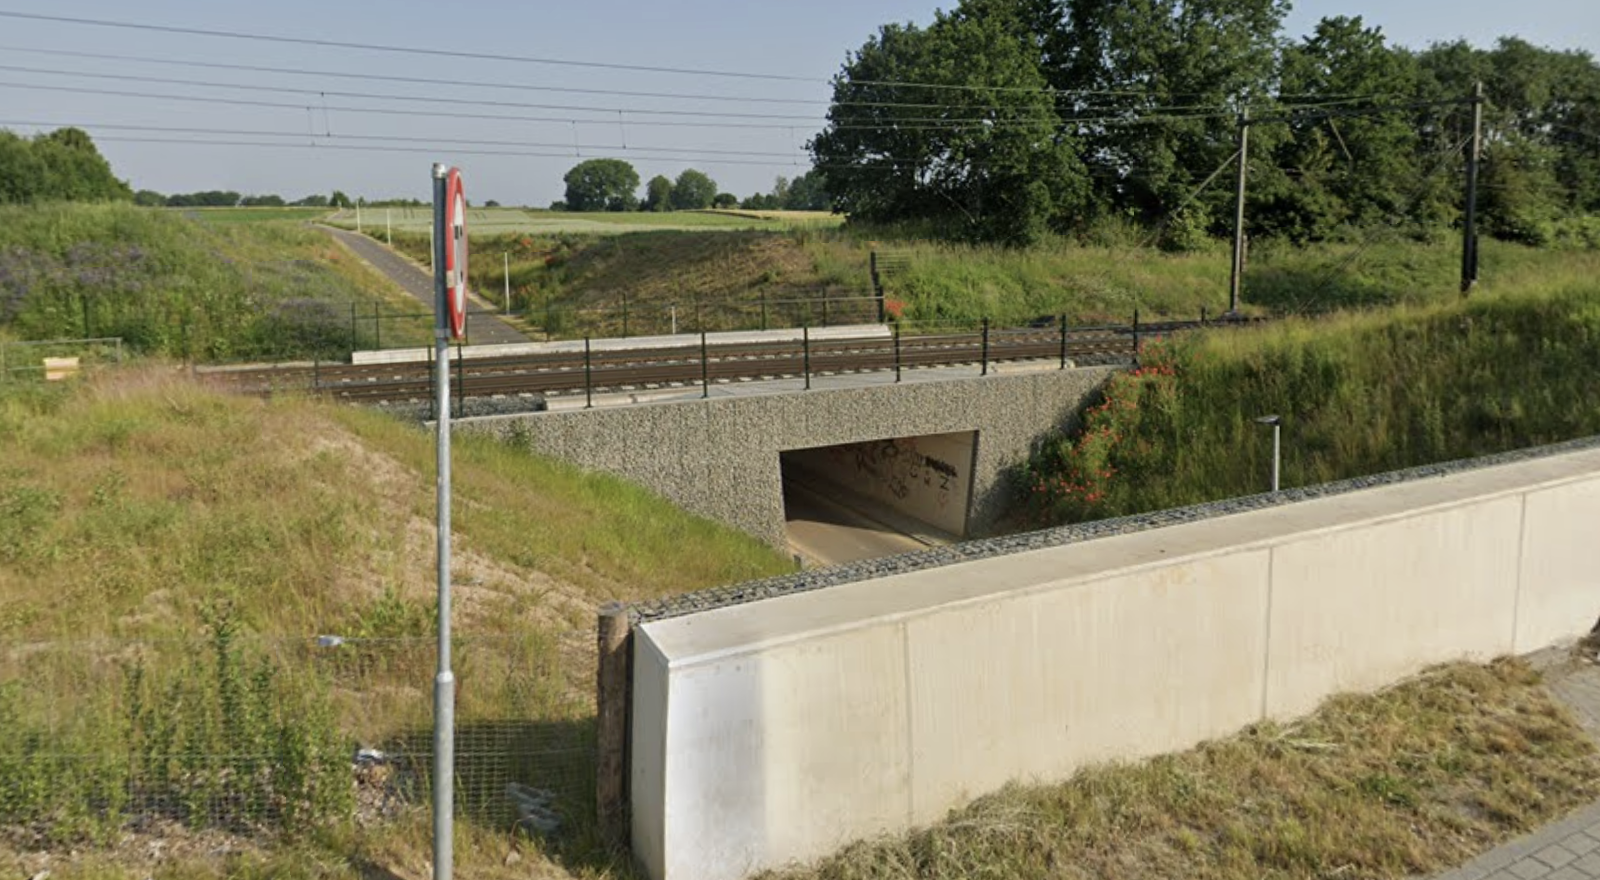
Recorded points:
(928, 478)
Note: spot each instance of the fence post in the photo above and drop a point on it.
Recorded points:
(1202, 316)
(624, 314)
(705, 370)
(377, 325)
(588, 374)
(897, 351)
(1136, 347)
(612, 689)
(763, 308)
(825, 299)
(1063, 341)
(352, 325)
(805, 349)
(985, 347)
(461, 382)
(433, 377)
(316, 375)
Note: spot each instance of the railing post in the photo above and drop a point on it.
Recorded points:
(624, 314)
(1063, 341)
(763, 309)
(613, 686)
(588, 377)
(377, 325)
(897, 351)
(825, 310)
(1136, 346)
(705, 368)
(805, 348)
(352, 325)
(985, 347)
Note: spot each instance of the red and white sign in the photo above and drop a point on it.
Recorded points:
(455, 253)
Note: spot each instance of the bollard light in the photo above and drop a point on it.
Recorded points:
(1276, 423)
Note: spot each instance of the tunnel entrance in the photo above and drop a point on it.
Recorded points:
(877, 498)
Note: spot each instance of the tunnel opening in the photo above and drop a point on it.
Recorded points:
(877, 498)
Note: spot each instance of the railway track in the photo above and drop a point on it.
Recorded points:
(559, 373)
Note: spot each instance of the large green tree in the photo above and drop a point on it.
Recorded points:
(602, 185)
(952, 126)
(693, 190)
(63, 164)
(658, 194)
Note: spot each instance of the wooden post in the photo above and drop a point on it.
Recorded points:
(612, 697)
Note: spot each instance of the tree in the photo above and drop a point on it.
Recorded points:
(658, 194)
(981, 156)
(1140, 59)
(806, 194)
(266, 201)
(339, 200)
(725, 200)
(149, 198)
(63, 164)
(601, 185)
(312, 201)
(693, 190)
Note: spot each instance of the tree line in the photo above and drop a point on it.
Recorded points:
(1005, 120)
(613, 185)
(62, 165)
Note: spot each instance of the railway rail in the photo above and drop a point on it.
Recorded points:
(699, 362)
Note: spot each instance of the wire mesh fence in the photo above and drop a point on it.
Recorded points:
(55, 359)
(275, 738)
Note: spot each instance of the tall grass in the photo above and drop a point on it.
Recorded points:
(1359, 394)
(172, 286)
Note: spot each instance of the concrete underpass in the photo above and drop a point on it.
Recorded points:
(877, 498)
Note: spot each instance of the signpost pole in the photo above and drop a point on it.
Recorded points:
(444, 683)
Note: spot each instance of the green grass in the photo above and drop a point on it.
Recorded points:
(173, 286)
(1404, 783)
(143, 517)
(251, 215)
(502, 221)
(1362, 393)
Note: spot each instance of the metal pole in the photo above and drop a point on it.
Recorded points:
(377, 325)
(1237, 280)
(805, 347)
(588, 374)
(1063, 342)
(763, 309)
(985, 346)
(897, 351)
(358, 216)
(1469, 243)
(624, 314)
(1136, 345)
(507, 255)
(388, 228)
(444, 683)
(705, 371)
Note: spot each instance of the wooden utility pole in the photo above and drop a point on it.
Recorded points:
(1469, 243)
(1237, 280)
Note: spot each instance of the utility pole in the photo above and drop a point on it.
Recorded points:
(1237, 279)
(1469, 232)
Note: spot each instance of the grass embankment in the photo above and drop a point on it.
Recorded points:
(214, 289)
(1359, 394)
(575, 284)
(1404, 783)
(168, 557)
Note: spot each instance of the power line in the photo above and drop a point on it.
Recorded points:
(405, 50)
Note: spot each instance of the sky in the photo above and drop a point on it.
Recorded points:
(313, 124)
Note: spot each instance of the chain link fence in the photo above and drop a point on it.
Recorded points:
(273, 739)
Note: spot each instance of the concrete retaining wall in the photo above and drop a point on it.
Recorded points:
(780, 730)
(718, 457)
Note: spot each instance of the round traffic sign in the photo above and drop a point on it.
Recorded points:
(455, 253)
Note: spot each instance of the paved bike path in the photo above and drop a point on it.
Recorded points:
(484, 326)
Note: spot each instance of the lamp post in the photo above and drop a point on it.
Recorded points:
(1276, 422)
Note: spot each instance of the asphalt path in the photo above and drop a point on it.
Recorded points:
(827, 531)
(484, 326)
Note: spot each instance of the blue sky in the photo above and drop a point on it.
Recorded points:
(806, 42)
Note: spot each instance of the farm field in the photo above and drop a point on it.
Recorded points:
(501, 221)
(248, 215)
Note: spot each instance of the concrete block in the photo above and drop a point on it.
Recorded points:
(1039, 684)
(1559, 599)
(1358, 607)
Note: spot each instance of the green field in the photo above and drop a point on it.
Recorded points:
(501, 221)
(249, 215)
